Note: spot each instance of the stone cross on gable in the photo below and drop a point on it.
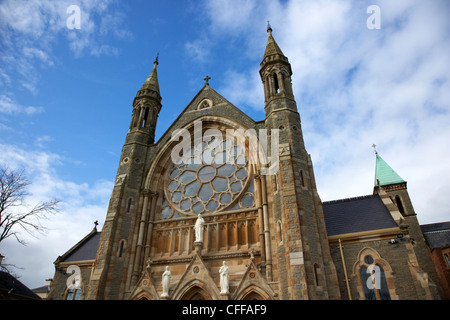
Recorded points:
(206, 80)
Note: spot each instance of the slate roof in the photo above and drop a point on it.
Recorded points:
(13, 289)
(358, 214)
(86, 249)
(437, 234)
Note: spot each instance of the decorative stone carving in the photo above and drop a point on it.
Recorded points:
(224, 279)
(199, 226)
(166, 282)
(120, 179)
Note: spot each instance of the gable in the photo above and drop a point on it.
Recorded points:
(85, 249)
(208, 104)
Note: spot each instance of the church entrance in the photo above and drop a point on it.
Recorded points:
(196, 293)
(253, 296)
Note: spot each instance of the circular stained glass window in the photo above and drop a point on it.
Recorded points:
(208, 179)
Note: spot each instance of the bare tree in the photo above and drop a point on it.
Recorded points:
(15, 215)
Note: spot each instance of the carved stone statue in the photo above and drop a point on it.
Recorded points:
(199, 225)
(224, 278)
(166, 282)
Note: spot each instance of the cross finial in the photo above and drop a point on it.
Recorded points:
(206, 80)
(374, 148)
(269, 27)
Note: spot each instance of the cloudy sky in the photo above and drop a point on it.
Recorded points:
(66, 94)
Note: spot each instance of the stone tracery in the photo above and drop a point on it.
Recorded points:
(213, 177)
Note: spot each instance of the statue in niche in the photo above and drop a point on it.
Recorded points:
(224, 278)
(166, 282)
(199, 225)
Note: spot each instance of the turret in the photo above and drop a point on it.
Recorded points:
(146, 106)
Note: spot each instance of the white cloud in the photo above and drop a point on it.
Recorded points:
(81, 205)
(39, 141)
(198, 49)
(9, 106)
(30, 30)
(355, 87)
(243, 89)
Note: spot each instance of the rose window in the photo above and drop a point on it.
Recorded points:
(214, 176)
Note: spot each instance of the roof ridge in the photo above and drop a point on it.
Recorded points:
(436, 231)
(350, 199)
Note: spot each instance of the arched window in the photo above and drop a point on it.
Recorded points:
(121, 245)
(373, 280)
(275, 82)
(144, 121)
(74, 294)
(302, 179)
(447, 257)
(129, 204)
(399, 204)
(317, 274)
(280, 231)
(74, 291)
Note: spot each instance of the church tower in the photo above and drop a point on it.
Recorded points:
(121, 245)
(146, 107)
(301, 252)
(392, 190)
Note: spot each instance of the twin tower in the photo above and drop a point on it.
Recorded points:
(269, 229)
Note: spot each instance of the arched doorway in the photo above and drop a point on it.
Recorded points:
(253, 293)
(196, 293)
(252, 296)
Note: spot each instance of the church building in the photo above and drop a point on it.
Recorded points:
(224, 207)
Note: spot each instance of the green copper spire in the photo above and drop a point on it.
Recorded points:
(384, 174)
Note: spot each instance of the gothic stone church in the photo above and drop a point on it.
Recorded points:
(272, 230)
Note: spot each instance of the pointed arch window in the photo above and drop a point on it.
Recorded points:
(144, 120)
(73, 294)
(280, 231)
(446, 253)
(317, 274)
(302, 179)
(399, 204)
(74, 291)
(121, 245)
(373, 279)
(130, 200)
(276, 84)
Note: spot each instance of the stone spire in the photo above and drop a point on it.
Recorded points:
(152, 81)
(275, 74)
(272, 48)
(146, 108)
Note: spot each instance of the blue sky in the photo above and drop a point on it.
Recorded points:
(66, 95)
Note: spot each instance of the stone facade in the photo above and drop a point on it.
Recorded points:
(268, 226)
